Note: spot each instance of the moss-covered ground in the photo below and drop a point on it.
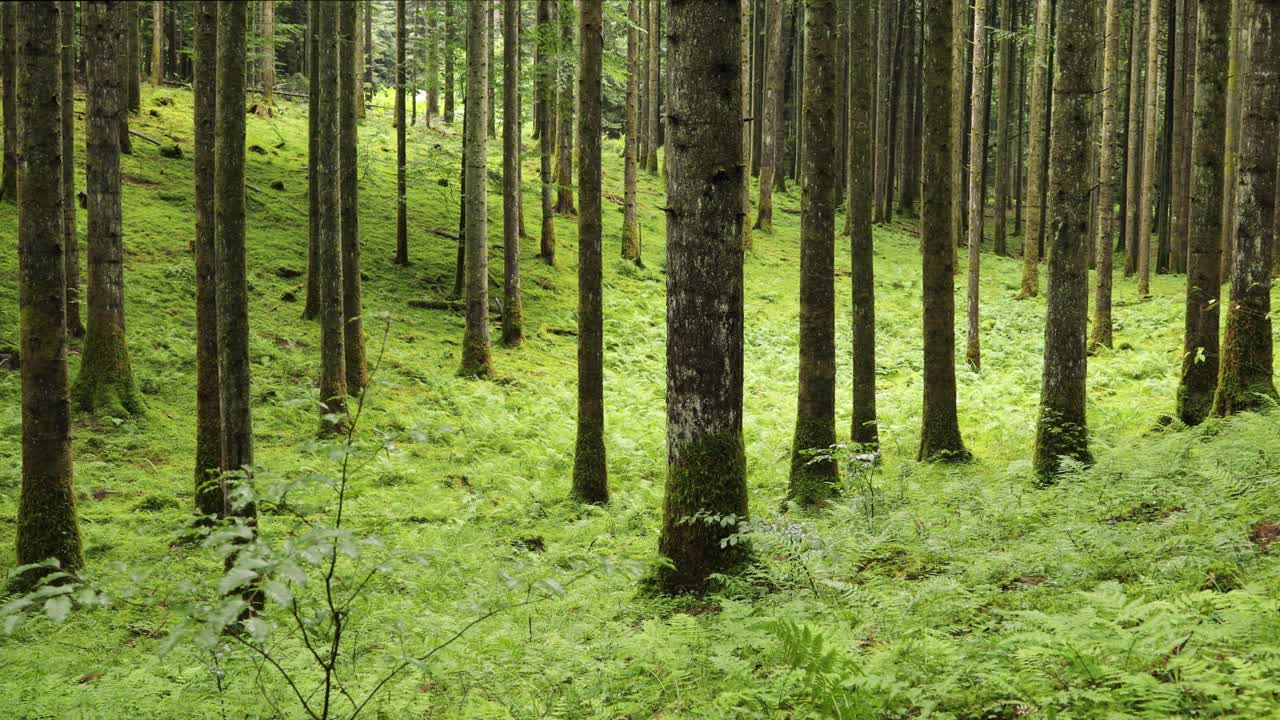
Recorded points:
(1132, 588)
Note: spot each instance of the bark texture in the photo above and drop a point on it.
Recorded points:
(864, 429)
(546, 135)
(333, 380)
(1036, 149)
(356, 366)
(476, 361)
(402, 203)
(1004, 87)
(512, 311)
(630, 229)
(655, 86)
(1150, 123)
(977, 172)
(1101, 333)
(771, 135)
(70, 238)
(8, 27)
(1133, 156)
(564, 154)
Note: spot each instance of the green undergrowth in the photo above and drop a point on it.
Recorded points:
(1138, 587)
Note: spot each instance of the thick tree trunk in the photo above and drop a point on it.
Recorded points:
(208, 492)
(655, 86)
(8, 26)
(402, 190)
(512, 311)
(47, 524)
(771, 135)
(355, 364)
(476, 361)
(977, 170)
(1036, 149)
(1204, 285)
(1137, 103)
(70, 238)
(590, 473)
(564, 154)
(706, 461)
(939, 426)
(1061, 430)
(1107, 182)
(630, 230)
(1245, 375)
(333, 380)
(1150, 122)
(863, 427)
(546, 136)
(105, 384)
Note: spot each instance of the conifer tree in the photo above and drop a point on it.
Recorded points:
(476, 361)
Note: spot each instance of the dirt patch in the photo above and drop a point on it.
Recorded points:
(1263, 534)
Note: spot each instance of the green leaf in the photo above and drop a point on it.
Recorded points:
(58, 608)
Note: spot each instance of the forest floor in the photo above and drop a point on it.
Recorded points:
(1138, 587)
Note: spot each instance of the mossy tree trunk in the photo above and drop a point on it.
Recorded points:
(356, 366)
(70, 238)
(1061, 430)
(512, 311)
(771, 135)
(630, 229)
(864, 429)
(8, 28)
(1245, 375)
(476, 361)
(47, 524)
(590, 473)
(1107, 181)
(564, 154)
(402, 190)
(546, 135)
(208, 493)
(333, 382)
(105, 384)
(1036, 149)
(1204, 285)
(813, 478)
(706, 461)
(977, 171)
(939, 425)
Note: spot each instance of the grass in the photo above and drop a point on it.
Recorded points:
(1130, 588)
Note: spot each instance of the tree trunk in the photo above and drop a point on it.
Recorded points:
(864, 429)
(1231, 142)
(311, 310)
(747, 121)
(362, 26)
(70, 238)
(564, 155)
(105, 384)
(939, 426)
(449, 82)
(1150, 124)
(476, 361)
(977, 169)
(1037, 150)
(959, 79)
(402, 200)
(47, 524)
(1245, 376)
(1204, 285)
(208, 491)
(356, 366)
(1107, 181)
(1137, 103)
(1181, 173)
(630, 230)
(128, 68)
(546, 137)
(269, 58)
(884, 80)
(512, 312)
(333, 380)
(1004, 90)
(771, 138)
(489, 86)
(157, 42)
(232, 292)
(8, 25)
(706, 461)
(655, 85)
(590, 475)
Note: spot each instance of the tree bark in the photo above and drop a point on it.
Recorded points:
(333, 381)
(959, 79)
(1061, 430)
(655, 86)
(1004, 89)
(311, 310)
(208, 491)
(771, 139)
(977, 170)
(269, 58)
(8, 25)
(884, 82)
(748, 122)
(1204, 285)
(1231, 141)
(546, 135)
(128, 67)
(706, 461)
(356, 366)
(863, 427)
(402, 190)
(630, 230)
(1137, 103)
(1245, 375)
(512, 311)
(47, 523)
(157, 42)
(564, 155)
(70, 238)
(105, 383)
(476, 361)
(939, 426)
(1101, 334)
(1037, 150)
(1150, 124)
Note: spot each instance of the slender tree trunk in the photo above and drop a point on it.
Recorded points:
(706, 460)
(939, 426)
(333, 380)
(959, 72)
(1107, 182)
(1036, 149)
(1181, 173)
(512, 312)
(1204, 285)
(1231, 142)
(70, 238)
(630, 230)
(105, 383)
(642, 107)
(157, 42)
(47, 523)
(1150, 125)
(8, 25)
(128, 67)
(771, 136)
(402, 190)
(1245, 375)
(449, 41)
(355, 364)
(747, 120)
(476, 361)
(564, 155)
(232, 292)
(1004, 91)
(1061, 430)
(265, 108)
(884, 82)
(1133, 180)
(489, 87)
(546, 137)
(906, 196)
(977, 169)
(590, 474)
(311, 310)
(655, 85)
(362, 26)
(864, 429)
(208, 492)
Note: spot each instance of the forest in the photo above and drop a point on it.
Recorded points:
(517, 359)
